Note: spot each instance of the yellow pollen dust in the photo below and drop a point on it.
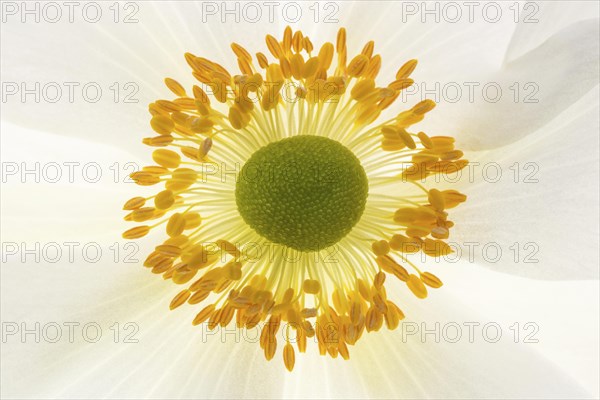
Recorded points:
(329, 296)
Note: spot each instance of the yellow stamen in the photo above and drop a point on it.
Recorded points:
(220, 257)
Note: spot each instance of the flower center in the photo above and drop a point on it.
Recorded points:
(304, 192)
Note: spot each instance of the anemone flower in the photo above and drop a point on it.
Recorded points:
(303, 196)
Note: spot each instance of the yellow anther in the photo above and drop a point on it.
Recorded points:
(406, 69)
(311, 286)
(142, 214)
(387, 264)
(425, 140)
(204, 148)
(166, 158)
(373, 319)
(393, 315)
(201, 292)
(274, 47)
(451, 155)
(310, 67)
(240, 52)
(287, 39)
(175, 87)
(325, 56)
(373, 68)
(244, 66)
(436, 199)
(137, 232)
(452, 198)
(184, 103)
(200, 95)
(416, 286)
(169, 106)
(289, 357)
(288, 295)
(201, 125)
(408, 118)
(275, 74)
(368, 49)
(162, 125)
(262, 60)
(407, 139)
(254, 82)
(198, 257)
(297, 41)
(423, 107)
(307, 44)
(180, 299)
(158, 141)
(431, 280)
(181, 179)
(401, 84)
(233, 270)
(392, 144)
(440, 232)
(164, 200)
(379, 280)
(442, 144)
(380, 248)
(176, 225)
(153, 258)
(168, 250)
(341, 40)
(229, 248)
(236, 117)
(405, 244)
(192, 220)
(213, 321)
(363, 289)
(358, 65)
(412, 214)
(362, 89)
(134, 203)
(179, 240)
(204, 315)
(286, 68)
(309, 312)
(297, 66)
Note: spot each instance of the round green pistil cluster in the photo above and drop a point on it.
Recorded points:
(305, 192)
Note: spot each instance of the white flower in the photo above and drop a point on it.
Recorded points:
(553, 220)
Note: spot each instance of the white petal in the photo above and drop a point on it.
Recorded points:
(534, 313)
(59, 187)
(174, 359)
(143, 53)
(539, 21)
(135, 57)
(545, 220)
(179, 359)
(525, 93)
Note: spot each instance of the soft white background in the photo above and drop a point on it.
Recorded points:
(559, 213)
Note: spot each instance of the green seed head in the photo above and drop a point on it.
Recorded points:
(304, 192)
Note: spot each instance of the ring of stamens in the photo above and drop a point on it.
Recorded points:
(288, 290)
